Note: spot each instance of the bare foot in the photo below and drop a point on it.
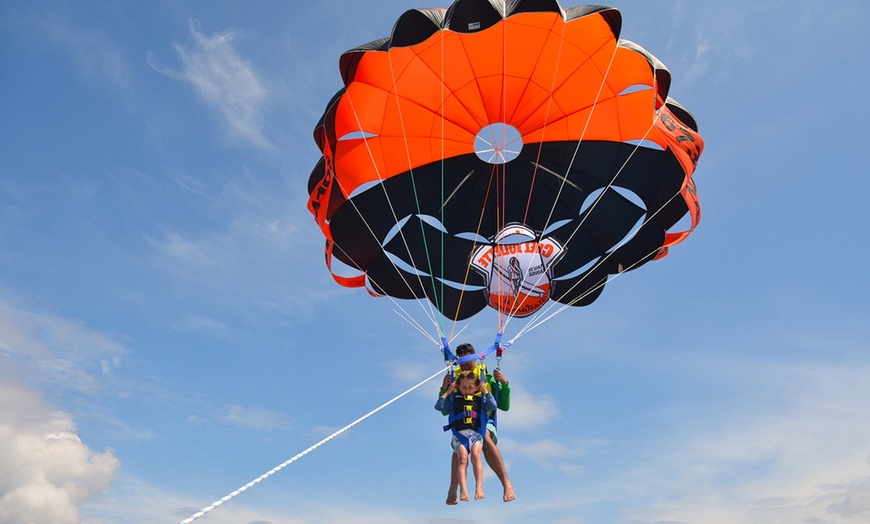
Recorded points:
(451, 498)
(478, 492)
(463, 494)
(509, 494)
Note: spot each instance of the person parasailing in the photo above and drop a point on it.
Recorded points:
(467, 404)
(499, 386)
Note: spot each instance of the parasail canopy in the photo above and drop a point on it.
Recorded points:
(502, 154)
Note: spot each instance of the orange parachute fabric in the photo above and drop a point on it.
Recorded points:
(502, 153)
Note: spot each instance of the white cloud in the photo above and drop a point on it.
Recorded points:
(179, 248)
(295, 510)
(208, 325)
(140, 501)
(253, 214)
(47, 471)
(251, 256)
(795, 451)
(96, 56)
(224, 80)
(411, 372)
(846, 503)
(530, 411)
(255, 418)
(53, 350)
(550, 453)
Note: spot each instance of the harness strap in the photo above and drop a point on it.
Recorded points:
(445, 350)
(496, 346)
(467, 416)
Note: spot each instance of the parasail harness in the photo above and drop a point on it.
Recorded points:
(467, 411)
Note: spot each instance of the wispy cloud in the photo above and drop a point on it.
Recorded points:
(253, 215)
(207, 325)
(192, 253)
(53, 350)
(550, 453)
(140, 501)
(241, 262)
(258, 419)
(95, 55)
(224, 80)
(796, 451)
(251, 244)
(530, 411)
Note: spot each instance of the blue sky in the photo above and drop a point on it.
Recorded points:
(168, 331)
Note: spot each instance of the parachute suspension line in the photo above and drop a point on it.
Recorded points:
(436, 297)
(499, 349)
(466, 326)
(534, 321)
(501, 195)
(441, 76)
(392, 299)
(537, 321)
(414, 324)
(582, 137)
(368, 227)
(286, 463)
(503, 167)
(429, 313)
(610, 185)
(444, 196)
(489, 189)
(544, 129)
(445, 339)
(540, 149)
(564, 178)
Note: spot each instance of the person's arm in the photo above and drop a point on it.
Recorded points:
(504, 397)
(489, 403)
(441, 403)
(446, 382)
(498, 380)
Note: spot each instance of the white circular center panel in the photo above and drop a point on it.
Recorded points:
(498, 143)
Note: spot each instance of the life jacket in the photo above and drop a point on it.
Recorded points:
(479, 371)
(482, 373)
(466, 412)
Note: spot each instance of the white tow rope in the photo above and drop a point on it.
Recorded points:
(283, 465)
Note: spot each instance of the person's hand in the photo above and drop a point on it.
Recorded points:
(483, 390)
(448, 380)
(499, 376)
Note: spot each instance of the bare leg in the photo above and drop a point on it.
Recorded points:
(477, 467)
(452, 499)
(496, 464)
(461, 470)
